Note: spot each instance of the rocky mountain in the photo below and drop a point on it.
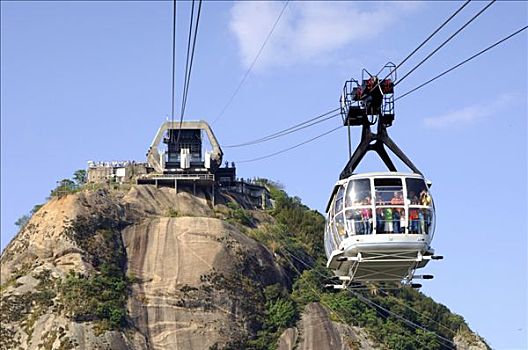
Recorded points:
(149, 268)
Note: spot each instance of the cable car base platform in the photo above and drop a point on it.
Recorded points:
(395, 268)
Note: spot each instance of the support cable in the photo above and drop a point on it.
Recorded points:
(445, 42)
(418, 312)
(190, 62)
(408, 322)
(289, 148)
(192, 57)
(189, 40)
(173, 57)
(431, 35)
(462, 63)
(318, 293)
(422, 44)
(246, 74)
(289, 130)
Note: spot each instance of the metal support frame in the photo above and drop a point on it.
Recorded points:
(376, 142)
(369, 103)
(390, 273)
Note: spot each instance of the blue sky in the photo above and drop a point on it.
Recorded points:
(91, 81)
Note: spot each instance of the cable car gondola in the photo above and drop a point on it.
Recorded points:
(379, 226)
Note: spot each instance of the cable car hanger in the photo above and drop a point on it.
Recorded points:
(366, 104)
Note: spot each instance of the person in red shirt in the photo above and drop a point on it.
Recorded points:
(413, 218)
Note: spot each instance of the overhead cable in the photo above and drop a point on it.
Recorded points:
(246, 74)
(189, 40)
(289, 130)
(423, 42)
(189, 64)
(431, 35)
(188, 79)
(173, 56)
(289, 148)
(418, 312)
(462, 63)
(405, 320)
(318, 293)
(445, 42)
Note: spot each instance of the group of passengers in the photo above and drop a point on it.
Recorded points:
(392, 220)
(397, 199)
(361, 219)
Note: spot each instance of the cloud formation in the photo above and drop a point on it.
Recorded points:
(308, 30)
(468, 115)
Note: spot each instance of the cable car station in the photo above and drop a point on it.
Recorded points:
(187, 157)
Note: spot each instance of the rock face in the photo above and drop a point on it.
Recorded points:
(469, 341)
(175, 258)
(191, 273)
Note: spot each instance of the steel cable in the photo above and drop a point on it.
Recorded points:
(246, 74)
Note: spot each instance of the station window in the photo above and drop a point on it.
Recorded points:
(390, 220)
(339, 200)
(417, 192)
(330, 244)
(359, 221)
(358, 193)
(421, 221)
(389, 191)
(340, 224)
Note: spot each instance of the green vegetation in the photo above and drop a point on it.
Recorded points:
(80, 177)
(280, 313)
(24, 219)
(172, 213)
(238, 215)
(68, 186)
(26, 308)
(100, 297)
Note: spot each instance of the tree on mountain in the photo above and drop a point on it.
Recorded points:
(66, 186)
(22, 221)
(79, 177)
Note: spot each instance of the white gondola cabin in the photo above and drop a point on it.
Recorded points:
(379, 227)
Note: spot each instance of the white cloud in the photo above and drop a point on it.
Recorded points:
(468, 115)
(308, 30)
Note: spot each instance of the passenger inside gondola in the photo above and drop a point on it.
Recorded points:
(413, 198)
(397, 198)
(425, 198)
(379, 221)
(366, 221)
(396, 223)
(413, 220)
(415, 186)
